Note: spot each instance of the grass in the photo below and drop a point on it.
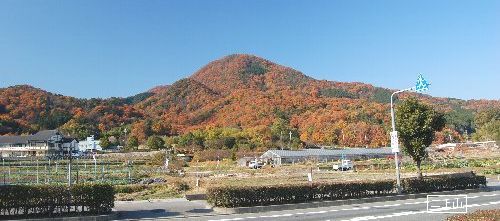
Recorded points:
(152, 191)
(173, 188)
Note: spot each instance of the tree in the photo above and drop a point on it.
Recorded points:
(416, 124)
(155, 142)
(53, 119)
(141, 130)
(79, 128)
(489, 131)
(132, 142)
(486, 116)
(461, 120)
(488, 123)
(104, 142)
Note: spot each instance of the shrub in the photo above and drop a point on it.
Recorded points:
(55, 200)
(443, 183)
(242, 196)
(493, 171)
(298, 193)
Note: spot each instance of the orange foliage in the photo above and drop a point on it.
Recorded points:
(239, 91)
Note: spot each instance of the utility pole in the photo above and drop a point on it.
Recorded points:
(37, 175)
(290, 141)
(3, 170)
(69, 165)
(129, 172)
(421, 86)
(95, 166)
(395, 142)
(281, 139)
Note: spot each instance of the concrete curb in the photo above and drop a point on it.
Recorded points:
(107, 217)
(258, 209)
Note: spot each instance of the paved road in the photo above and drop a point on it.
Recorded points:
(389, 210)
(162, 208)
(408, 210)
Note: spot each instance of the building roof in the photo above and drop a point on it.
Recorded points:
(328, 152)
(13, 139)
(43, 135)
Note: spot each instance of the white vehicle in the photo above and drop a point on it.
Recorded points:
(344, 165)
(76, 154)
(255, 164)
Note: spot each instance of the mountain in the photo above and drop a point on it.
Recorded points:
(25, 109)
(241, 71)
(250, 94)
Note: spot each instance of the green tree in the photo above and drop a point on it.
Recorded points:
(489, 131)
(132, 143)
(280, 130)
(53, 119)
(381, 95)
(80, 128)
(155, 143)
(104, 142)
(487, 116)
(462, 120)
(337, 92)
(171, 142)
(488, 123)
(9, 126)
(416, 124)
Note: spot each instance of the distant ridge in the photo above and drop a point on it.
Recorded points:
(237, 91)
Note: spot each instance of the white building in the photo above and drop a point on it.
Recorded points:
(43, 143)
(89, 145)
(279, 157)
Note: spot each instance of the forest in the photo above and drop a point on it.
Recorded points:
(239, 102)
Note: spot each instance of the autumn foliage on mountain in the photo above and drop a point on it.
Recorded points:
(240, 101)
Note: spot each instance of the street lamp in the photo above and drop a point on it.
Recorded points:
(420, 86)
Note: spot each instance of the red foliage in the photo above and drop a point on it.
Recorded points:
(239, 91)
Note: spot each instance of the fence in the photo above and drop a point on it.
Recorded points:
(63, 171)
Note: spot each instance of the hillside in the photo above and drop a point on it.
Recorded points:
(25, 109)
(252, 95)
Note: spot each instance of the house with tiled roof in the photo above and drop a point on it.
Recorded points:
(43, 143)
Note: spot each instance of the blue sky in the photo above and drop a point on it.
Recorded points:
(121, 48)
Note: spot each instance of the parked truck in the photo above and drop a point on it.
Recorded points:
(344, 165)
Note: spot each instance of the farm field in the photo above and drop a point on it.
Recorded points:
(142, 176)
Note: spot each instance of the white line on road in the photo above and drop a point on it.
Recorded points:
(316, 212)
(495, 194)
(355, 208)
(384, 216)
(415, 203)
(362, 218)
(388, 205)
